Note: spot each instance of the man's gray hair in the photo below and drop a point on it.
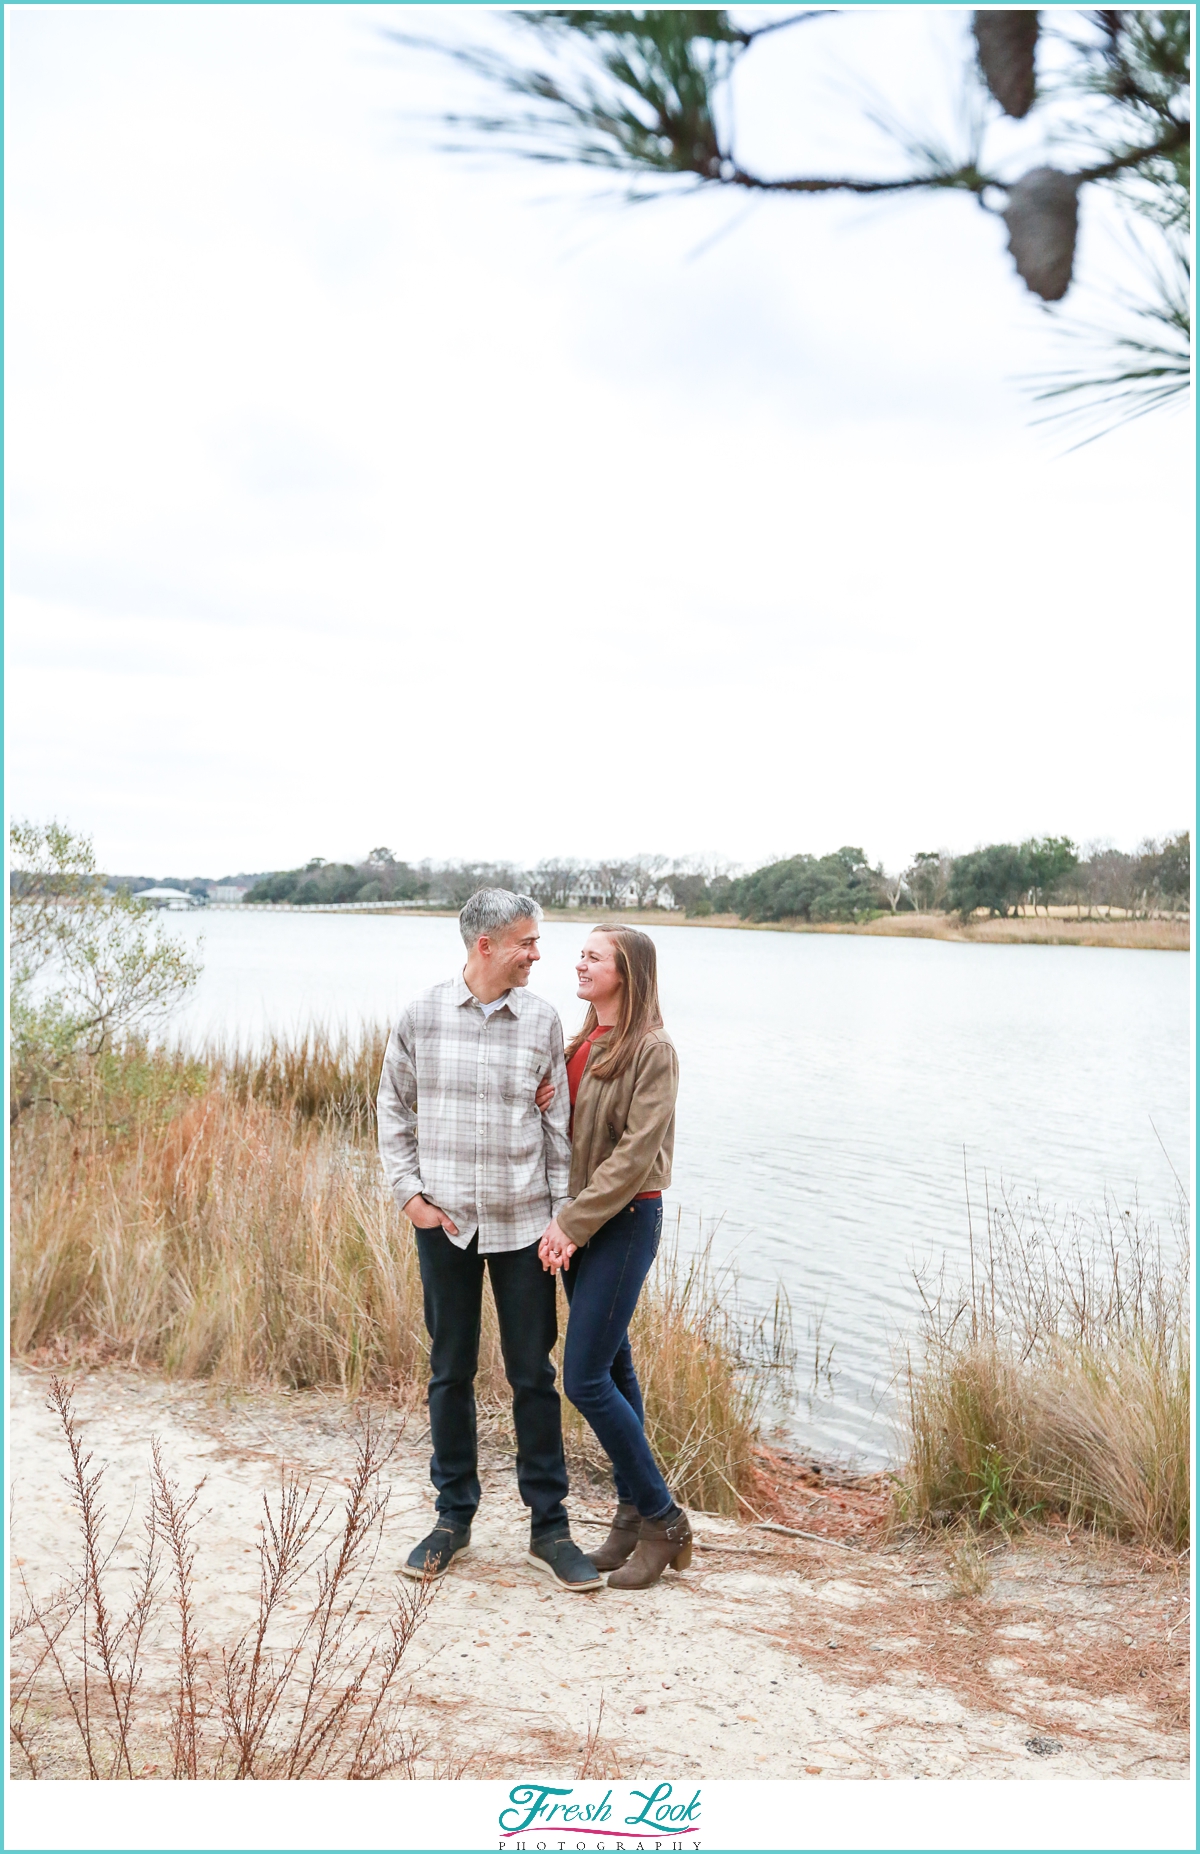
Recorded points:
(491, 910)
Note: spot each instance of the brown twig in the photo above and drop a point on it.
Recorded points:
(85, 1492)
(177, 1523)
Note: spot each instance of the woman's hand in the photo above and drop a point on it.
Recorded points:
(555, 1250)
(545, 1093)
(426, 1216)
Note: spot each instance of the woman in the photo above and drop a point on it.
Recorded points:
(623, 1075)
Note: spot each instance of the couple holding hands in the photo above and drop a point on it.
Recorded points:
(507, 1151)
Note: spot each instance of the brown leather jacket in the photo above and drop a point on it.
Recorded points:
(623, 1137)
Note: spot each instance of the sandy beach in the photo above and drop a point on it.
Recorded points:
(849, 1652)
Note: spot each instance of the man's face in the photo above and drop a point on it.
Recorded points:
(511, 954)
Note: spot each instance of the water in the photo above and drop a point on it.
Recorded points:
(829, 1087)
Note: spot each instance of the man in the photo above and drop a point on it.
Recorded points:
(479, 1172)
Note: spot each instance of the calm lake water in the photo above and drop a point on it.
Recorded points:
(829, 1087)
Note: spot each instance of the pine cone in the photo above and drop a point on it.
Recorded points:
(1042, 217)
(1006, 43)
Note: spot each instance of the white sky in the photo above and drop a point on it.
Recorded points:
(361, 493)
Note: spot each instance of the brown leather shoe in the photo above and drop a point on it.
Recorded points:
(661, 1542)
(622, 1538)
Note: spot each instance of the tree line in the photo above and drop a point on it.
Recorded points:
(998, 878)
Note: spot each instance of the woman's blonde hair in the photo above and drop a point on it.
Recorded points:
(638, 1011)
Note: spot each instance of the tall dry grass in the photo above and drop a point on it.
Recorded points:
(325, 1074)
(231, 1222)
(1056, 1378)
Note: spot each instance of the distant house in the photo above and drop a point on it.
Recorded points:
(227, 892)
(167, 897)
(586, 894)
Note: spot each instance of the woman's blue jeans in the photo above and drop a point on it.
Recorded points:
(602, 1285)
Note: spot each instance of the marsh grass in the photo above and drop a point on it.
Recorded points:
(1055, 1381)
(324, 1074)
(228, 1220)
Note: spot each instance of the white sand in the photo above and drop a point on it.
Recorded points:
(775, 1658)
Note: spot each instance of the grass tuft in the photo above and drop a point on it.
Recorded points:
(1056, 1381)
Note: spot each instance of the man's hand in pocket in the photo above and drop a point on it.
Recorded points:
(426, 1216)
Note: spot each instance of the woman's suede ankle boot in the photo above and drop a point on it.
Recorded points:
(622, 1538)
(661, 1542)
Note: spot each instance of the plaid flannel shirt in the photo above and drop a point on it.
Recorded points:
(457, 1117)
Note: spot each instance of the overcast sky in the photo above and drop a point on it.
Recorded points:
(364, 494)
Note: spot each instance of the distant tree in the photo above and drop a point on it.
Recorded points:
(552, 881)
(1052, 862)
(1163, 872)
(647, 874)
(454, 883)
(840, 886)
(1173, 874)
(702, 885)
(379, 878)
(996, 878)
(721, 889)
(396, 881)
(690, 889)
(893, 889)
(86, 968)
(927, 879)
(278, 887)
(610, 878)
(1106, 878)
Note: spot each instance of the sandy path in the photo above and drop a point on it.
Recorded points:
(772, 1657)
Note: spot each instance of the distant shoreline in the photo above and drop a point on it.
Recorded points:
(1163, 936)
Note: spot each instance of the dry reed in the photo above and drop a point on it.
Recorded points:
(1056, 1381)
(290, 1699)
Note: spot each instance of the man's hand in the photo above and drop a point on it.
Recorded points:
(426, 1216)
(555, 1250)
(545, 1092)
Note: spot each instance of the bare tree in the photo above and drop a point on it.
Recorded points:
(552, 881)
(927, 880)
(892, 889)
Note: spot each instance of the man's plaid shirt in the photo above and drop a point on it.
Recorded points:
(457, 1117)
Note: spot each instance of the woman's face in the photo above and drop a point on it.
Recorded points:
(599, 980)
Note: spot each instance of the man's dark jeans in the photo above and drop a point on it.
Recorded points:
(527, 1316)
(603, 1283)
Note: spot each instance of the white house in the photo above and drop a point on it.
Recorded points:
(166, 897)
(227, 892)
(586, 894)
